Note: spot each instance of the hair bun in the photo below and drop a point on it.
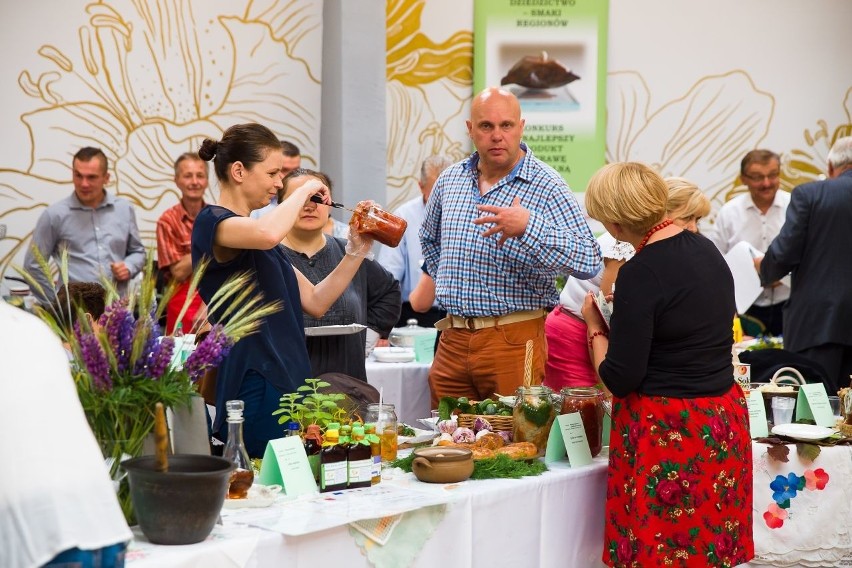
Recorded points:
(208, 149)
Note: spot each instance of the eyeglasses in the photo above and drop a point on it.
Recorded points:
(760, 177)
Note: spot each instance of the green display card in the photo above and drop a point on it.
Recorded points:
(285, 463)
(812, 403)
(568, 438)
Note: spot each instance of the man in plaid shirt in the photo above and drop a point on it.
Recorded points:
(499, 227)
(174, 234)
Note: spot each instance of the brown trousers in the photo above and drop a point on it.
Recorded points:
(477, 364)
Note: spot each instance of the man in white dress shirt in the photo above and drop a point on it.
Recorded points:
(756, 218)
(57, 502)
(405, 260)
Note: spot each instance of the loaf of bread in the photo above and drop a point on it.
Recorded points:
(519, 450)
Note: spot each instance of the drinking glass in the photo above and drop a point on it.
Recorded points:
(782, 409)
(834, 401)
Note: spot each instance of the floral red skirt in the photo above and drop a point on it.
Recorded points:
(679, 488)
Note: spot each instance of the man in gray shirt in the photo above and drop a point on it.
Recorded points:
(98, 229)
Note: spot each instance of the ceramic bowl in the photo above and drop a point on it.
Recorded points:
(442, 465)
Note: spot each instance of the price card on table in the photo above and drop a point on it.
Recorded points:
(568, 437)
(285, 463)
(812, 403)
(757, 415)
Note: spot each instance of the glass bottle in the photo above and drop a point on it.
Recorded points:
(332, 461)
(313, 447)
(588, 401)
(293, 428)
(359, 459)
(375, 452)
(235, 451)
(533, 415)
(384, 417)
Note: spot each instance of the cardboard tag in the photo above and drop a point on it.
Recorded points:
(757, 415)
(607, 429)
(812, 403)
(568, 438)
(285, 463)
(424, 347)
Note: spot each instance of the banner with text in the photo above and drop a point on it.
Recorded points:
(552, 55)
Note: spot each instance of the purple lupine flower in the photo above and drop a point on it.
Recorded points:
(119, 324)
(209, 352)
(159, 358)
(94, 358)
(151, 350)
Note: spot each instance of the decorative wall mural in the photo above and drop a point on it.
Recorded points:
(147, 81)
(701, 136)
(428, 93)
(704, 134)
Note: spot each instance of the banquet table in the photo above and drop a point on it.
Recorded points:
(405, 385)
(555, 519)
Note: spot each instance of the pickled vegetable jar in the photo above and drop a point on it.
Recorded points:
(589, 402)
(533, 414)
(369, 218)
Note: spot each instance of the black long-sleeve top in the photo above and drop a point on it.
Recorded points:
(372, 298)
(671, 325)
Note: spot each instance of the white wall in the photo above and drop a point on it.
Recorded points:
(692, 86)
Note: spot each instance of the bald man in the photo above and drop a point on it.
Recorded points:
(499, 227)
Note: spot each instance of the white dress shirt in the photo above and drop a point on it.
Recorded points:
(55, 492)
(404, 261)
(740, 220)
(574, 292)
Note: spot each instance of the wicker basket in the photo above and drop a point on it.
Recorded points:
(501, 423)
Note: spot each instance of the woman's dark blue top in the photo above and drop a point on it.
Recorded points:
(277, 350)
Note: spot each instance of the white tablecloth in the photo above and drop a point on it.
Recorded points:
(555, 519)
(817, 530)
(405, 385)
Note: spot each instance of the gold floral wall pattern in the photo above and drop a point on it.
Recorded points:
(428, 93)
(148, 80)
(704, 134)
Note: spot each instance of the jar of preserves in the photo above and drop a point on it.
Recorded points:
(589, 403)
(384, 417)
(533, 414)
(369, 218)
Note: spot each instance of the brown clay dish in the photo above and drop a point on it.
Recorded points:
(442, 465)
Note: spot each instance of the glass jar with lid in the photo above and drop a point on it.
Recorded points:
(404, 336)
(589, 403)
(533, 414)
(384, 417)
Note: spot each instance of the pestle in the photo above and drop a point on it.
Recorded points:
(161, 439)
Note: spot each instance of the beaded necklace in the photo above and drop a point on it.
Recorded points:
(653, 230)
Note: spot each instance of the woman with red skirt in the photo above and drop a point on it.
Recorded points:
(679, 488)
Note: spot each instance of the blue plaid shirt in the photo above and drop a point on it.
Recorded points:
(475, 278)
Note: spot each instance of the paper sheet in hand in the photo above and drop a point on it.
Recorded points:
(604, 308)
(747, 286)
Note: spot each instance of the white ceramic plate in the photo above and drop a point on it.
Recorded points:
(393, 355)
(258, 496)
(803, 431)
(419, 436)
(334, 330)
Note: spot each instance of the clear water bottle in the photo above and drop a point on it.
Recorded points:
(235, 451)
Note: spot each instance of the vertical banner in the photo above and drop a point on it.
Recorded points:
(552, 55)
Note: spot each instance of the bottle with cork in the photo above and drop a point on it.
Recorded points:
(235, 451)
